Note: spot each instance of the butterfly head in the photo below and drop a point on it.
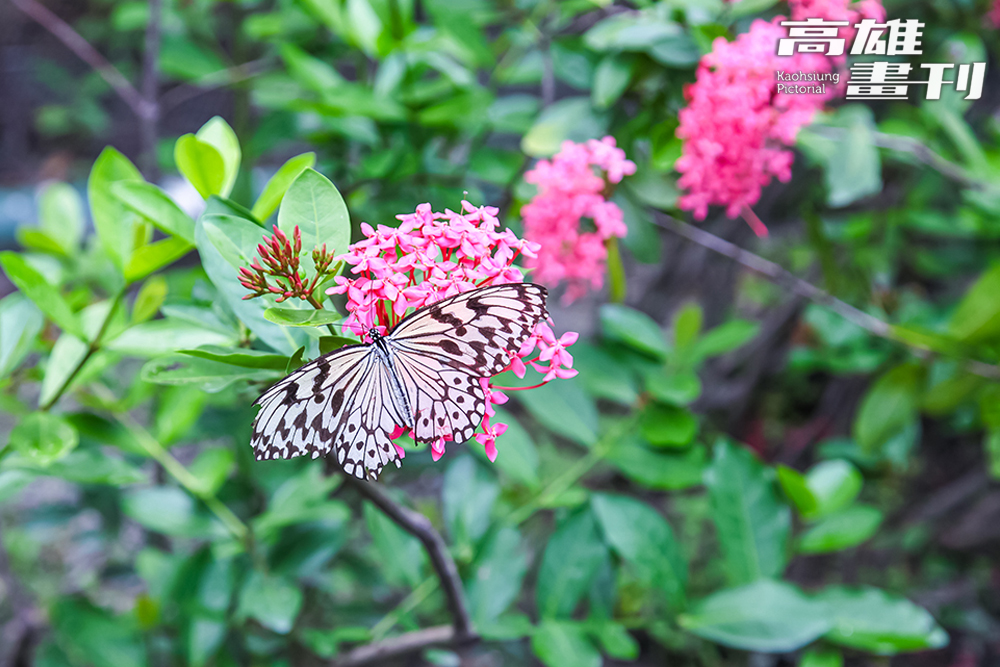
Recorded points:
(375, 335)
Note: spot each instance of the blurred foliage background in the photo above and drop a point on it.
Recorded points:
(759, 463)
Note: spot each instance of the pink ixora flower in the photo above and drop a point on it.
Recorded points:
(571, 191)
(431, 256)
(737, 127)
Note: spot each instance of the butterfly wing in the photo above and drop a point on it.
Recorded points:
(341, 400)
(441, 351)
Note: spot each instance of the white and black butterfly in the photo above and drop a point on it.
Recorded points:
(424, 375)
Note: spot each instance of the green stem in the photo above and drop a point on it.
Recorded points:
(92, 349)
(408, 604)
(158, 452)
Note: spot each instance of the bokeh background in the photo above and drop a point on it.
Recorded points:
(778, 450)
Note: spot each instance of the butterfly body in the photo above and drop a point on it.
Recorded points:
(424, 375)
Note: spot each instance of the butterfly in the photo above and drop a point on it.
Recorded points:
(423, 375)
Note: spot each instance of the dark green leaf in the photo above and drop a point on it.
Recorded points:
(207, 375)
(570, 561)
(615, 640)
(680, 388)
(564, 644)
(240, 356)
(767, 616)
(668, 425)
(563, 407)
(496, 576)
(170, 511)
(890, 404)
(400, 556)
(633, 328)
(611, 78)
(470, 489)
(872, 620)
(91, 636)
(657, 470)
(724, 338)
(271, 601)
(751, 521)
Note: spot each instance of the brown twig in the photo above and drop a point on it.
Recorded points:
(87, 53)
(419, 526)
(796, 285)
(441, 635)
(213, 81)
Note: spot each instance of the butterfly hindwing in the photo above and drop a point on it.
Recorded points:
(346, 400)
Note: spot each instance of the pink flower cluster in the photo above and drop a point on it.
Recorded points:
(737, 126)
(432, 256)
(571, 189)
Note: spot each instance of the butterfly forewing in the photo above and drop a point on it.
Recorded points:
(438, 354)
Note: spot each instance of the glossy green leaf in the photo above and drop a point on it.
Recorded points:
(633, 328)
(658, 469)
(148, 300)
(615, 640)
(114, 223)
(644, 540)
(162, 336)
(496, 576)
(724, 338)
(43, 438)
(835, 484)
(751, 521)
(240, 357)
(207, 375)
(564, 408)
(61, 217)
(276, 187)
(977, 317)
(20, 322)
(217, 133)
(767, 616)
(470, 489)
(272, 601)
(571, 558)
(841, 530)
(796, 489)
(155, 205)
(45, 296)
(201, 164)
(875, 621)
(152, 257)
(314, 205)
(888, 406)
(564, 644)
(667, 425)
(292, 317)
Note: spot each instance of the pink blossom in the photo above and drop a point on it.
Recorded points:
(572, 188)
(737, 127)
(432, 256)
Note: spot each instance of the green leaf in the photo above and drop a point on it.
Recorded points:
(151, 296)
(517, 455)
(834, 484)
(615, 640)
(826, 657)
(796, 488)
(751, 521)
(724, 338)
(767, 616)
(678, 388)
(33, 285)
(152, 257)
(602, 376)
(43, 438)
(91, 636)
(155, 205)
(841, 530)
(631, 32)
(204, 638)
(211, 467)
(207, 375)
(177, 412)
(326, 643)
(328, 344)
(571, 559)
(277, 185)
(292, 317)
(400, 556)
(240, 357)
(668, 425)
(271, 601)
(496, 576)
(657, 470)
(644, 540)
(977, 317)
(633, 328)
(564, 644)
(562, 407)
(217, 133)
(889, 405)
(114, 223)
(158, 337)
(89, 466)
(20, 322)
(611, 79)
(67, 354)
(201, 164)
(60, 214)
(168, 510)
(470, 489)
(687, 325)
(314, 205)
(875, 621)
(854, 169)
(570, 119)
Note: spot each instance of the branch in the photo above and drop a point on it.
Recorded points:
(401, 645)
(420, 527)
(87, 53)
(796, 285)
(209, 82)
